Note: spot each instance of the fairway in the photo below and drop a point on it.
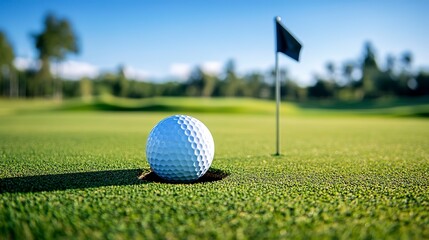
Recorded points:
(73, 174)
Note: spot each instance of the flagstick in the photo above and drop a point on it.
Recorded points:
(277, 106)
(287, 44)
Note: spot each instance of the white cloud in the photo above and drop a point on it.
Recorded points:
(72, 69)
(183, 70)
(75, 70)
(137, 74)
(180, 70)
(26, 63)
(68, 69)
(212, 67)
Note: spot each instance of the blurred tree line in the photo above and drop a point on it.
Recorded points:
(363, 78)
(366, 79)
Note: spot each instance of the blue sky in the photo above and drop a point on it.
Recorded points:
(165, 38)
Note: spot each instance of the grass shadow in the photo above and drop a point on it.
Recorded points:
(111, 107)
(212, 175)
(82, 180)
(64, 181)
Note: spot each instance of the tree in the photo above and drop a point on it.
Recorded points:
(406, 82)
(7, 69)
(407, 59)
(195, 84)
(422, 80)
(330, 68)
(385, 81)
(390, 64)
(348, 69)
(254, 82)
(120, 85)
(209, 84)
(232, 83)
(85, 89)
(53, 44)
(370, 72)
(321, 89)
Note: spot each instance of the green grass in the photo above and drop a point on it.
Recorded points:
(73, 174)
(413, 107)
(407, 107)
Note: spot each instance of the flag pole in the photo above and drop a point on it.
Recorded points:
(277, 106)
(287, 44)
(277, 19)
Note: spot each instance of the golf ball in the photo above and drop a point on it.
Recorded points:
(180, 149)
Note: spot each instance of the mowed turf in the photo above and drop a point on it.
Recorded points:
(75, 175)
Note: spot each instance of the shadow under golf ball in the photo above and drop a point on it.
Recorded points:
(212, 175)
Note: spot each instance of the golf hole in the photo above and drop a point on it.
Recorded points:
(212, 175)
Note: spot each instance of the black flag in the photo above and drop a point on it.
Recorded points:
(286, 43)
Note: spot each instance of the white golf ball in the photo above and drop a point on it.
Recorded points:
(180, 149)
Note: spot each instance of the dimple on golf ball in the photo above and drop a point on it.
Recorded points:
(180, 149)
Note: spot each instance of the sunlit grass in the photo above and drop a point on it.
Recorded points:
(418, 107)
(338, 177)
(11, 106)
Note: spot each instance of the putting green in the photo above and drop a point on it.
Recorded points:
(74, 175)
